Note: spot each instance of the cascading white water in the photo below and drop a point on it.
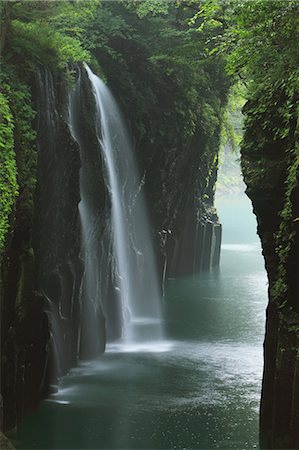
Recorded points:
(134, 258)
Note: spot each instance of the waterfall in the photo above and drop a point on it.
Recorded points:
(135, 266)
(133, 263)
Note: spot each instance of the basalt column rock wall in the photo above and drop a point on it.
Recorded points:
(184, 215)
(57, 227)
(41, 269)
(270, 166)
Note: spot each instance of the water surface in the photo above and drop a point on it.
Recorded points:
(197, 389)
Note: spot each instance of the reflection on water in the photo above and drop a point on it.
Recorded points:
(198, 389)
(143, 347)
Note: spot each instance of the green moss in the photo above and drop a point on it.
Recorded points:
(25, 139)
(18, 149)
(287, 234)
(8, 168)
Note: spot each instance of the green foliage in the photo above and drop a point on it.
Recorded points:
(148, 7)
(262, 40)
(256, 37)
(49, 33)
(25, 137)
(39, 43)
(232, 119)
(229, 178)
(21, 142)
(8, 171)
(106, 27)
(157, 61)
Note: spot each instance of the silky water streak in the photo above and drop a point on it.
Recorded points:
(136, 276)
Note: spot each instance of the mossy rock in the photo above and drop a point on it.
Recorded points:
(5, 444)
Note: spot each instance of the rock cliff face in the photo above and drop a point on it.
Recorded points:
(56, 226)
(43, 269)
(180, 196)
(270, 166)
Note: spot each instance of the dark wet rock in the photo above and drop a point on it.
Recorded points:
(270, 168)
